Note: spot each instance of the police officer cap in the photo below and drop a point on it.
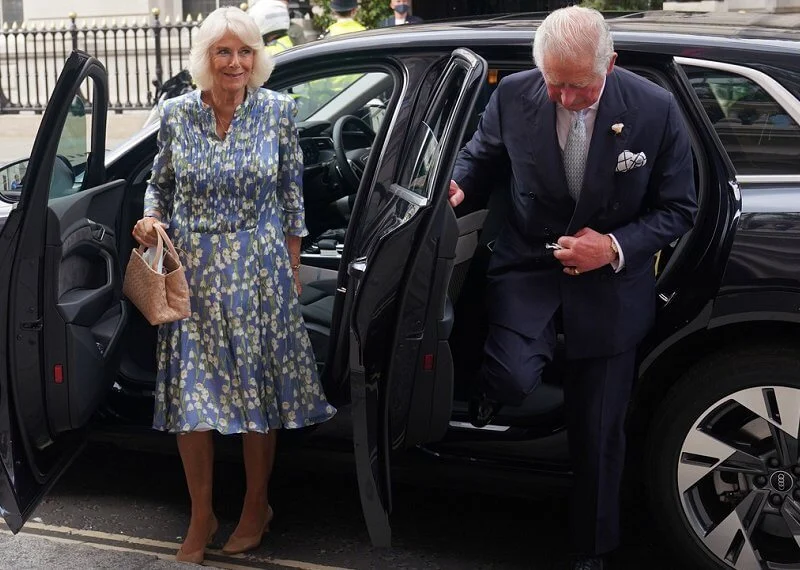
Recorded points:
(344, 5)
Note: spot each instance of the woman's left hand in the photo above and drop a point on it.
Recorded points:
(293, 244)
(298, 285)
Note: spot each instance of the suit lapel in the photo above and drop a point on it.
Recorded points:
(605, 146)
(540, 116)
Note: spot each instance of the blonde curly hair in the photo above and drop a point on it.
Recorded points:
(214, 27)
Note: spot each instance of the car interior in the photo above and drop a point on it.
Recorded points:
(337, 118)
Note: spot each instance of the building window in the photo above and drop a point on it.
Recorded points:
(204, 7)
(11, 11)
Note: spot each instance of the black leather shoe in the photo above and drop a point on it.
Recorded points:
(588, 563)
(482, 411)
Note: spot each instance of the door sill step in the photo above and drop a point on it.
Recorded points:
(467, 425)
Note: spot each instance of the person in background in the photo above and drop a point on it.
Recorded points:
(227, 185)
(296, 32)
(344, 12)
(402, 15)
(272, 19)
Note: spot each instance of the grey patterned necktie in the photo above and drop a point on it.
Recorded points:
(575, 150)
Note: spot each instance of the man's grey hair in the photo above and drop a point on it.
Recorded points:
(214, 27)
(572, 32)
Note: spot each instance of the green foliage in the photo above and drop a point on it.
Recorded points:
(370, 13)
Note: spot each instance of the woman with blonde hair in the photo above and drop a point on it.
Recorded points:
(227, 185)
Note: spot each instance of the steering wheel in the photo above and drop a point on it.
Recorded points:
(351, 163)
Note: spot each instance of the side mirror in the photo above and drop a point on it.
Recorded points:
(12, 179)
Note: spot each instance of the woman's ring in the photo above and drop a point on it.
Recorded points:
(575, 271)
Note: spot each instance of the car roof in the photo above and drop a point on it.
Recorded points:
(722, 24)
(766, 39)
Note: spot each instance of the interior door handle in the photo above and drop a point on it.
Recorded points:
(85, 306)
(98, 231)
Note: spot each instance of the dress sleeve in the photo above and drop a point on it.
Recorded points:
(290, 173)
(160, 191)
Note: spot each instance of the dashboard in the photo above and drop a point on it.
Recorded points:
(316, 151)
(315, 142)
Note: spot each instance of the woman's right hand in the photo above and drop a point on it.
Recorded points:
(145, 231)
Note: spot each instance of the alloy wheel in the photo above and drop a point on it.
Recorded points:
(739, 480)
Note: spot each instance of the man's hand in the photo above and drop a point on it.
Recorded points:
(456, 194)
(586, 251)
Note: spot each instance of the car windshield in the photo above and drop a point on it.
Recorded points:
(314, 96)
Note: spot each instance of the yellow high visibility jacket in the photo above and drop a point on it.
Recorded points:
(281, 44)
(344, 26)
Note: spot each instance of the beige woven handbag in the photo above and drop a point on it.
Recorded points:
(161, 296)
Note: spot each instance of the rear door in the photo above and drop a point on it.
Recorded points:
(397, 311)
(61, 314)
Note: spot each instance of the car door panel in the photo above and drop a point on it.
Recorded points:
(60, 333)
(401, 372)
(85, 310)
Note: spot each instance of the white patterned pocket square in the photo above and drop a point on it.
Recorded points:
(628, 160)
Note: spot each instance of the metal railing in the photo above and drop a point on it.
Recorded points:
(138, 56)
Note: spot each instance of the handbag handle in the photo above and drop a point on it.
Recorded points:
(159, 248)
(163, 239)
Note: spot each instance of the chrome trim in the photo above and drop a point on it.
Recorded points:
(736, 188)
(335, 254)
(768, 179)
(408, 195)
(467, 425)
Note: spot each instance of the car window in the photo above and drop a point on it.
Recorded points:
(758, 134)
(364, 95)
(312, 96)
(424, 150)
(71, 155)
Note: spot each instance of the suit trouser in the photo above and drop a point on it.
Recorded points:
(597, 392)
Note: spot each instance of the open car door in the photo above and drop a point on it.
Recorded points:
(62, 312)
(400, 366)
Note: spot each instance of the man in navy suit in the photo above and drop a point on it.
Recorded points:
(602, 178)
(402, 15)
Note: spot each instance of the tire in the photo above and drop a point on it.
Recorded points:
(713, 459)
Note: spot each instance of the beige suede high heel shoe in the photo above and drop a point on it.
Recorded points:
(198, 555)
(239, 544)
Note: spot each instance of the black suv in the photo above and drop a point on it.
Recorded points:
(394, 277)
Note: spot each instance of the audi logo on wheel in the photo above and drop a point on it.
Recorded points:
(781, 481)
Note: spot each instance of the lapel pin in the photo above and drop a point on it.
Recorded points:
(617, 128)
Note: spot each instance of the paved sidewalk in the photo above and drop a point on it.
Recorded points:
(18, 131)
(24, 551)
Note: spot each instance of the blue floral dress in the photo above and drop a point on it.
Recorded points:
(243, 360)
